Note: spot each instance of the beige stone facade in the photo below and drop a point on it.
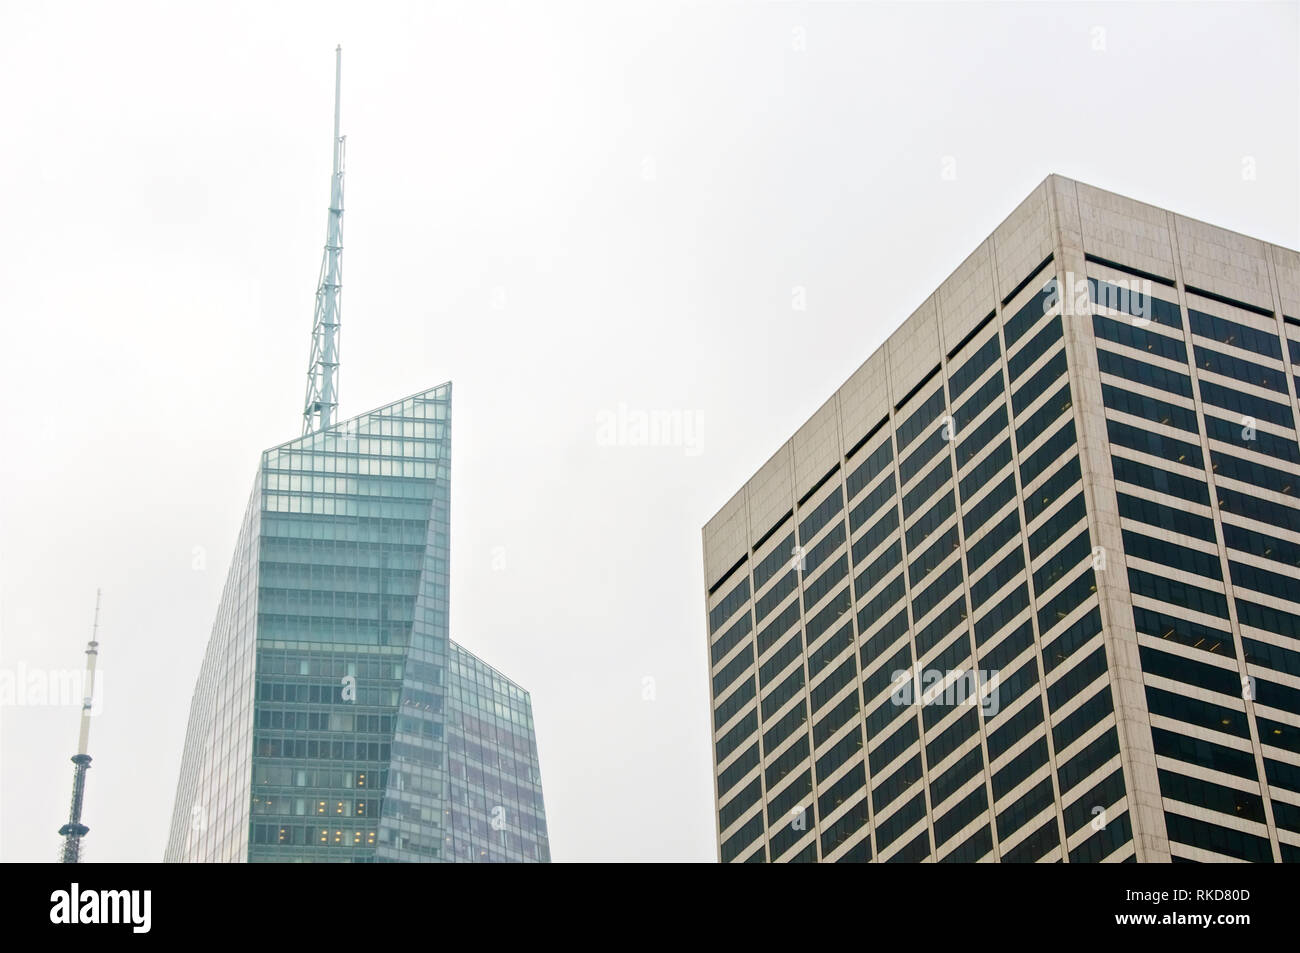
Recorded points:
(1102, 738)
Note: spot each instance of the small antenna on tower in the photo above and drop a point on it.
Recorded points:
(73, 831)
(323, 373)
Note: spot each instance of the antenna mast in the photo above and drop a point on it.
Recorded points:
(323, 374)
(73, 831)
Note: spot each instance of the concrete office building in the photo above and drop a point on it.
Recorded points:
(1061, 499)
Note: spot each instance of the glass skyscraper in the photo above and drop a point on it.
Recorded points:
(333, 719)
(1026, 587)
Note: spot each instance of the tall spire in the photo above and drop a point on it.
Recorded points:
(73, 831)
(323, 374)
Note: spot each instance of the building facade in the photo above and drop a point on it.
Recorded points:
(1026, 588)
(333, 719)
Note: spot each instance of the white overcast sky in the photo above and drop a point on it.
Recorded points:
(566, 209)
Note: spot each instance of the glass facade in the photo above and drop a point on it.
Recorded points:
(330, 718)
(494, 808)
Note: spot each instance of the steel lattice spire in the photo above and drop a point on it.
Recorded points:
(73, 831)
(323, 374)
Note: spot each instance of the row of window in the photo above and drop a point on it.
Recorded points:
(923, 565)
